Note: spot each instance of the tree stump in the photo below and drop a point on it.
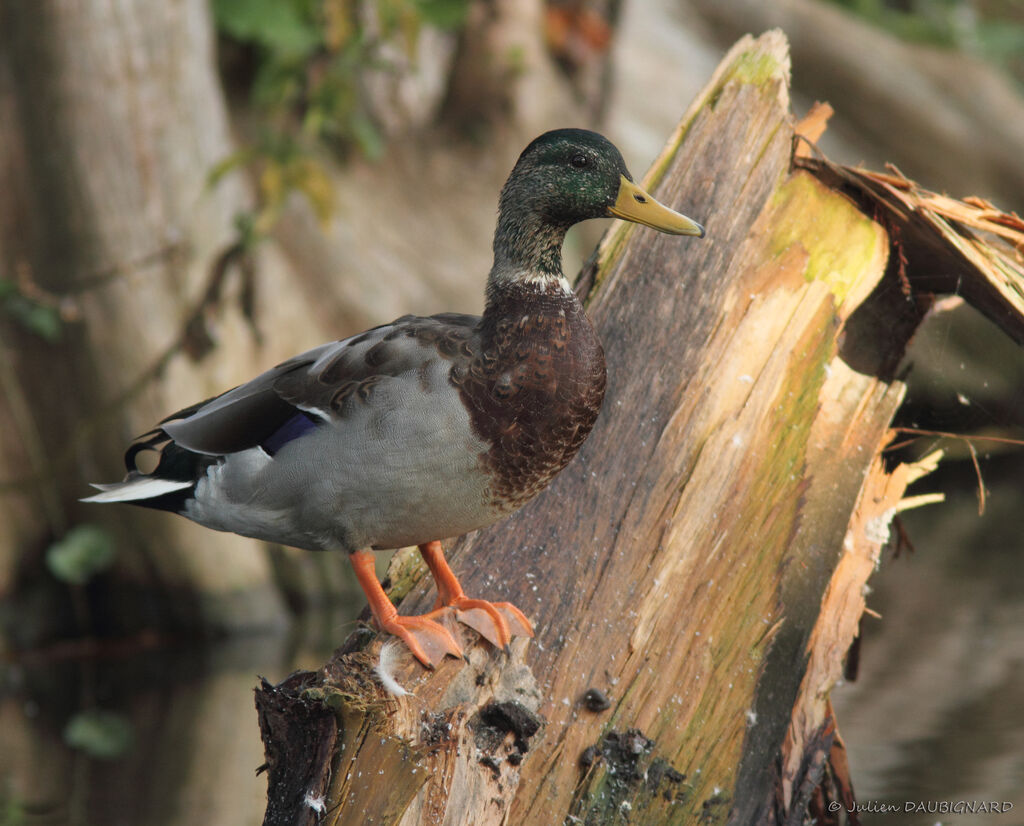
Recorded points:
(695, 576)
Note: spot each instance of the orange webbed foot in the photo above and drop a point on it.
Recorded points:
(427, 639)
(496, 622)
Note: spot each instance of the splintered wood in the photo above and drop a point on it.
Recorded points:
(881, 498)
(964, 247)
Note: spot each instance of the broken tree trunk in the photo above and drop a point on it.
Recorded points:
(695, 575)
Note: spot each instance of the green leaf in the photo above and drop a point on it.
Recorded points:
(236, 160)
(444, 14)
(102, 734)
(278, 25)
(84, 551)
(278, 83)
(44, 321)
(370, 141)
(1001, 40)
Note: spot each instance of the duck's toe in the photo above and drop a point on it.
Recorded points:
(517, 621)
(427, 639)
(496, 622)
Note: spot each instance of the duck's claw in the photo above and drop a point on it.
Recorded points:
(517, 621)
(427, 639)
(496, 622)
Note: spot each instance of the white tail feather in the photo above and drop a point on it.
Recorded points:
(142, 487)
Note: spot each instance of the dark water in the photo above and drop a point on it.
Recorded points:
(143, 734)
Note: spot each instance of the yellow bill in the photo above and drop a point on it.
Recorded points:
(633, 204)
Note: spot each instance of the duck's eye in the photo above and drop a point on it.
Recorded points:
(580, 161)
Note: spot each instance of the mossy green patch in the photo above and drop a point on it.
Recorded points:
(839, 239)
(751, 68)
(757, 67)
(406, 569)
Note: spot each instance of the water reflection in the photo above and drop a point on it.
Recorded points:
(165, 734)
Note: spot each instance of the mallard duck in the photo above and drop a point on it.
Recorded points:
(424, 428)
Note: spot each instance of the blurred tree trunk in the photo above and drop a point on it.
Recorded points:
(697, 574)
(111, 118)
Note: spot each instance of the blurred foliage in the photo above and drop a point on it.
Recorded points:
(82, 553)
(990, 29)
(29, 311)
(303, 64)
(98, 733)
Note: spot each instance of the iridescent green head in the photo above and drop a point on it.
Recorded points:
(569, 175)
(563, 177)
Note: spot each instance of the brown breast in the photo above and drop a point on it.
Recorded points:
(534, 388)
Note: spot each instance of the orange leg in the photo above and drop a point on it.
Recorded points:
(495, 621)
(428, 640)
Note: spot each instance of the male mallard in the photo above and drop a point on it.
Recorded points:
(424, 428)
